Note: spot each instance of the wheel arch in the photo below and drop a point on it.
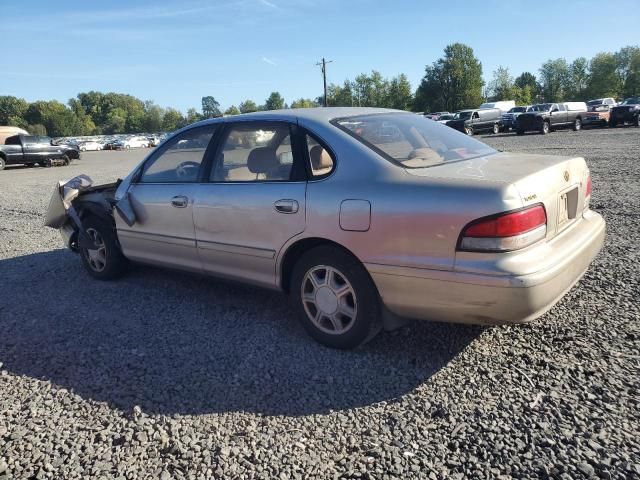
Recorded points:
(294, 251)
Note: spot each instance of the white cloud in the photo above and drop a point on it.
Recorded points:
(269, 61)
(268, 3)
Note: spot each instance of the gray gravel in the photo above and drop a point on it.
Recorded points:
(165, 375)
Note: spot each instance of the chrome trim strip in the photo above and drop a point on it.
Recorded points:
(157, 237)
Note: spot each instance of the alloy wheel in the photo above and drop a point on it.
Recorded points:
(329, 299)
(97, 258)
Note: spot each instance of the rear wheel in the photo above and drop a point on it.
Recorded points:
(637, 122)
(2, 164)
(106, 262)
(496, 128)
(65, 160)
(545, 129)
(468, 131)
(577, 124)
(335, 297)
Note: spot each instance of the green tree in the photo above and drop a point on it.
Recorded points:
(193, 116)
(173, 120)
(37, 129)
(232, 110)
(12, 111)
(529, 87)
(115, 121)
(274, 102)
(303, 103)
(604, 79)
(58, 120)
(248, 106)
(210, 107)
(578, 79)
(628, 67)
(451, 82)
(340, 96)
(501, 86)
(555, 77)
(400, 93)
(153, 115)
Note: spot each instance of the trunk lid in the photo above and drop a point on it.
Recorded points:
(559, 183)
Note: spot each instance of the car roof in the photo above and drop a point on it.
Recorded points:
(323, 114)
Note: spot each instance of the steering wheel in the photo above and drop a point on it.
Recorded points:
(185, 169)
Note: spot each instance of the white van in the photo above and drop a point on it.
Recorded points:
(576, 106)
(504, 106)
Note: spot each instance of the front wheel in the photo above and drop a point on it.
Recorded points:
(637, 122)
(577, 125)
(336, 299)
(496, 128)
(106, 261)
(545, 129)
(2, 164)
(520, 132)
(65, 160)
(468, 131)
(613, 123)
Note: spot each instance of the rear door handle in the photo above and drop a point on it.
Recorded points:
(286, 206)
(180, 201)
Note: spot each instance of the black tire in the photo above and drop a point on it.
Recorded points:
(361, 298)
(114, 262)
(2, 164)
(613, 123)
(545, 128)
(65, 160)
(46, 163)
(496, 129)
(468, 131)
(519, 132)
(577, 124)
(637, 122)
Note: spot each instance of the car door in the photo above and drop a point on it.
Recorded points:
(162, 196)
(253, 203)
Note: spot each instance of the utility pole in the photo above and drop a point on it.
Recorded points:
(323, 64)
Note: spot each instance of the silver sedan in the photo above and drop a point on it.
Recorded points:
(361, 215)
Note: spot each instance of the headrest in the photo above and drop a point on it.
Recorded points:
(262, 160)
(320, 158)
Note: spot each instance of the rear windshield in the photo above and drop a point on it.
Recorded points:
(412, 141)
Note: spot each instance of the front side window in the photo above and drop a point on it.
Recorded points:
(254, 152)
(180, 159)
(421, 142)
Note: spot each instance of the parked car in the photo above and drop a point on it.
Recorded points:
(435, 225)
(597, 102)
(35, 150)
(134, 142)
(545, 117)
(6, 132)
(89, 145)
(597, 116)
(153, 140)
(627, 112)
(444, 118)
(477, 121)
(436, 115)
(509, 118)
(503, 106)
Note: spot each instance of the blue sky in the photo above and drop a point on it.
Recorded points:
(176, 51)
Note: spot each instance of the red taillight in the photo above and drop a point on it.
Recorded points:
(507, 231)
(508, 224)
(587, 191)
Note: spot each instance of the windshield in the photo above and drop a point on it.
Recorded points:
(518, 110)
(631, 101)
(462, 115)
(412, 141)
(542, 107)
(446, 116)
(591, 103)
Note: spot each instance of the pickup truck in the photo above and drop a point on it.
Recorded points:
(546, 117)
(627, 111)
(35, 149)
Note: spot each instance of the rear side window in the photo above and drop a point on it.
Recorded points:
(412, 141)
(320, 158)
(180, 159)
(255, 152)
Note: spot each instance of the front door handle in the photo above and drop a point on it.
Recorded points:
(180, 201)
(286, 206)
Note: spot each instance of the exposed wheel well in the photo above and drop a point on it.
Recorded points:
(295, 251)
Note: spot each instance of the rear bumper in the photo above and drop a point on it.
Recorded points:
(477, 298)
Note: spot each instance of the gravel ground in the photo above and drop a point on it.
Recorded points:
(166, 375)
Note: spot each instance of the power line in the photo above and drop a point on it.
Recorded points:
(323, 64)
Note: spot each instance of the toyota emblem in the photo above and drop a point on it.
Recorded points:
(566, 175)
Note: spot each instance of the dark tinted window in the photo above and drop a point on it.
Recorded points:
(15, 140)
